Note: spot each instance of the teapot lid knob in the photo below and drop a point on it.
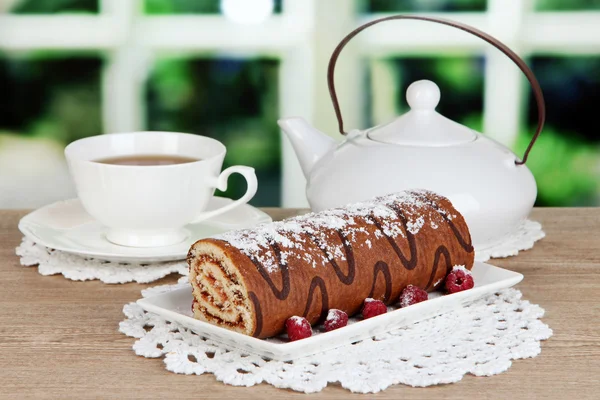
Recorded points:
(422, 125)
(423, 95)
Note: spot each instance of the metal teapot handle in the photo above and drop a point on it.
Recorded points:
(537, 90)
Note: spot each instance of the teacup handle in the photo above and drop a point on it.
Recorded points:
(221, 184)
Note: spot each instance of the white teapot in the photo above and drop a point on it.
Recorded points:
(485, 181)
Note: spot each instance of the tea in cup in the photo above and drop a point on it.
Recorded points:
(146, 186)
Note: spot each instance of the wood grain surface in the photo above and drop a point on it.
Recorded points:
(59, 339)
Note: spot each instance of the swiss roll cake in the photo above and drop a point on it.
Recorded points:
(252, 280)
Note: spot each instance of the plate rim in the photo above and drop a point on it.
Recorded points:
(279, 350)
(25, 227)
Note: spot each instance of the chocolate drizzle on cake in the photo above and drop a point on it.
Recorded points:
(317, 282)
(258, 311)
(382, 268)
(441, 251)
(411, 263)
(467, 245)
(349, 277)
(300, 261)
(283, 268)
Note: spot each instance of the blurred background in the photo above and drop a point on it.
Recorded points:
(229, 68)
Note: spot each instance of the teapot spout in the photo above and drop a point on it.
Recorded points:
(309, 143)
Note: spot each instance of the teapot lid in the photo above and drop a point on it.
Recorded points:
(422, 125)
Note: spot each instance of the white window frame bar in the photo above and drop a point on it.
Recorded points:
(303, 38)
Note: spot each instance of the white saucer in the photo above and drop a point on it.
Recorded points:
(66, 226)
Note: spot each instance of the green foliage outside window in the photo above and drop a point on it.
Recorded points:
(57, 96)
(232, 100)
(51, 95)
(424, 5)
(189, 7)
(566, 169)
(567, 5)
(471, 5)
(55, 6)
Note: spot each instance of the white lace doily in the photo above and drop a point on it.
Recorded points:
(522, 239)
(79, 268)
(480, 339)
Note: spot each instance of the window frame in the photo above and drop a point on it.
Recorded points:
(302, 38)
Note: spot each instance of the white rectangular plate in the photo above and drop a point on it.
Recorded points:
(175, 306)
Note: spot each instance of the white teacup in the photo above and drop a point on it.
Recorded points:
(147, 206)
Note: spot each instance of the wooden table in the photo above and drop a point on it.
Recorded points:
(59, 338)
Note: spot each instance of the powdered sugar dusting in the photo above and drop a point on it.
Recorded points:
(461, 268)
(296, 320)
(334, 315)
(407, 300)
(273, 244)
(415, 226)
